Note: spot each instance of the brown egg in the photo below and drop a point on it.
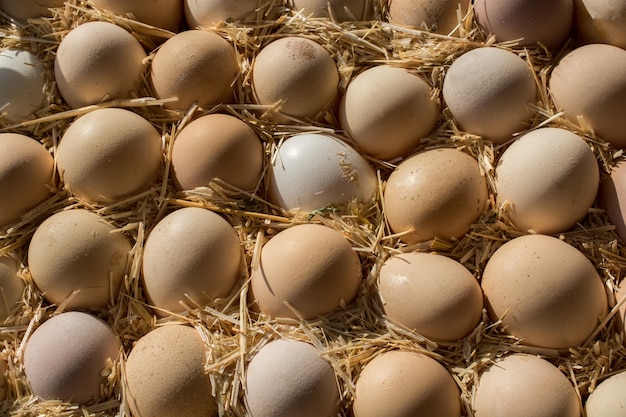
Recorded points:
(435, 193)
(387, 111)
(217, 146)
(600, 21)
(607, 399)
(98, 61)
(308, 268)
(590, 82)
(78, 251)
(28, 9)
(289, 378)
(612, 197)
(545, 291)
(108, 155)
(521, 385)
(11, 287)
(431, 294)
(195, 67)
(488, 91)
(191, 254)
(26, 173)
(298, 72)
(165, 375)
(343, 10)
(405, 384)
(65, 358)
(207, 13)
(164, 14)
(437, 16)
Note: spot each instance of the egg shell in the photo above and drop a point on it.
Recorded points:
(488, 91)
(600, 21)
(608, 399)
(26, 174)
(405, 384)
(342, 10)
(165, 375)
(195, 67)
(437, 16)
(521, 385)
(65, 357)
(192, 253)
(590, 81)
(289, 378)
(549, 178)
(98, 61)
(308, 268)
(208, 13)
(217, 146)
(612, 197)
(22, 84)
(621, 316)
(78, 251)
(164, 14)
(387, 111)
(431, 294)
(28, 9)
(545, 291)
(435, 193)
(109, 154)
(299, 73)
(11, 287)
(311, 171)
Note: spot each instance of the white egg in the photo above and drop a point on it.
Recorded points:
(21, 84)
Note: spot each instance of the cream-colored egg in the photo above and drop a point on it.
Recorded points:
(195, 67)
(600, 21)
(405, 384)
(77, 257)
(387, 111)
(438, 16)
(26, 175)
(98, 61)
(289, 378)
(431, 294)
(545, 291)
(549, 178)
(207, 13)
(306, 270)
(612, 197)
(436, 193)
(109, 154)
(29, 9)
(22, 84)
(11, 287)
(217, 146)
(165, 14)
(66, 358)
(608, 399)
(342, 10)
(488, 91)
(192, 255)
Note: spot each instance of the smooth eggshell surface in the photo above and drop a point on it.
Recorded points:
(29, 9)
(289, 378)
(65, 357)
(342, 10)
(600, 21)
(11, 286)
(545, 291)
(164, 14)
(438, 16)
(165, 374)
(207, 13)
(612, 197)
(608, 399)
(21, 84)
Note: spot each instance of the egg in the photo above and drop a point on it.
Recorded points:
(545, 292)
(342, 10)
(165, 375)
(66, 358)
(190, 254)
(600, 21)
(26, 175)
(207, 13)
(311, 171)
(405, 384)
(430, 294)
(164, 14)
(289, 378)
(607, 399)
(522, 385)
(306, 270)
(217, 146)
(11, 287)
(109, 154)
(437, 16)
(437, 193)
(77, 258)
(549, 178)
(299, 74)
(387, 110)
(195, 67)
(98, 61)
(29, 9)
(612, 197)
(488, 91)
(22, 84)
(4, 385)
(589, 82)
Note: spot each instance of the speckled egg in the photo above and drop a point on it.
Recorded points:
(22, 84)
(600, 21)
(607, 399)
(164, 14)
(437, 16)
(11, 286)
(207, 13)
(342, 10)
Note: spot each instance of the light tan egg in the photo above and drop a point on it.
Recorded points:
(66, 358)
(217, 146)
(342, 10)
(607, 399)
(612, 197)
(22, 84)
(437, 16)
(306, 270)
(405, 384)
(195, 67)
(164, 14)
(521, 385)
(600, 21)
(77, 257)
(11, 286)
(387, 111)
(29, 9)
(26, 175)
(545, 291)
(109, 154)
(290, 378)
(436, 193)
(208, 13)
